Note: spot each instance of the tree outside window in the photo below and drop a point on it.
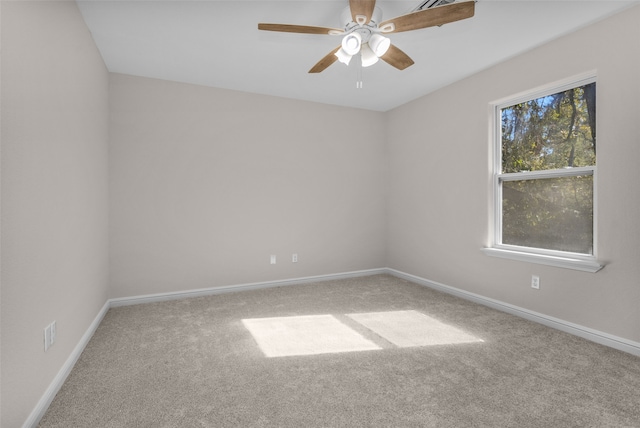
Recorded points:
(547, 166)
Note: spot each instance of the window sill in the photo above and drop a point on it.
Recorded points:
(561, 262)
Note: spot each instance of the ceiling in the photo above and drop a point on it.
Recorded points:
(217, 43)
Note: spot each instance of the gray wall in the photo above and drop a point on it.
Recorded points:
(440, 182)
(207, 183)
(54, 194)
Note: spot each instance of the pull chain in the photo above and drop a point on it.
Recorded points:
(359, 74)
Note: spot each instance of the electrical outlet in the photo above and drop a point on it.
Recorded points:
(273, 259)
(294, 258)
(49, 336)
(535, 282)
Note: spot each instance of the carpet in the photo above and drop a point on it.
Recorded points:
(194, 363)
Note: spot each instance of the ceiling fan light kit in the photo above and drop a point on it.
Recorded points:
(363, 31)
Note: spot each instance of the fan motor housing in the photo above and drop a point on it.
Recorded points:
(365, 30)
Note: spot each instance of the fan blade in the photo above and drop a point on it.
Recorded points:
(304, 29)
(325, 62)
(362, 8)
(397, 58)
(429, 17)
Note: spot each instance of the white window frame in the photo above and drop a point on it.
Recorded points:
(577, 261)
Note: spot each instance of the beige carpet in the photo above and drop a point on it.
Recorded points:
(202, 362)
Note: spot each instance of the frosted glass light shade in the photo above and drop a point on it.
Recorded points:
(379, 44)
(343, 57)
(368, 56)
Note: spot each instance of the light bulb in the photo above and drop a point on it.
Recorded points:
(351, 43)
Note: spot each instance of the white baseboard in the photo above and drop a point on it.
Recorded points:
(161, 297)
(42, 406)
(606, 339)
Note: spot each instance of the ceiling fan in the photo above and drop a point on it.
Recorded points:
(363, 31)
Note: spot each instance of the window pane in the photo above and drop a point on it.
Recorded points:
(551, 213)
(551, 132)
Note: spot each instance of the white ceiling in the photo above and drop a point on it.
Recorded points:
(217, 43)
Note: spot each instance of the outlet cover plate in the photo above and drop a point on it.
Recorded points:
(535, 282)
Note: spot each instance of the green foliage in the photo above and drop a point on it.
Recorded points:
(552, 132)
(552, 213)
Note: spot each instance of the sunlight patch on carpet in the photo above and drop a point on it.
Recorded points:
(305, 335)
(412, 328)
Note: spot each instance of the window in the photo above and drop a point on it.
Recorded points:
(544, 176)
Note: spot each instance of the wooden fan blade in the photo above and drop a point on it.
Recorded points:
(429, 17)
(325, 62)
(397, 58)
(304, 29)
(362, 8)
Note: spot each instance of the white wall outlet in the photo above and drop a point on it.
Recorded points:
(49, 336)
(535, 282)
(273, 259)
(294, 258)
